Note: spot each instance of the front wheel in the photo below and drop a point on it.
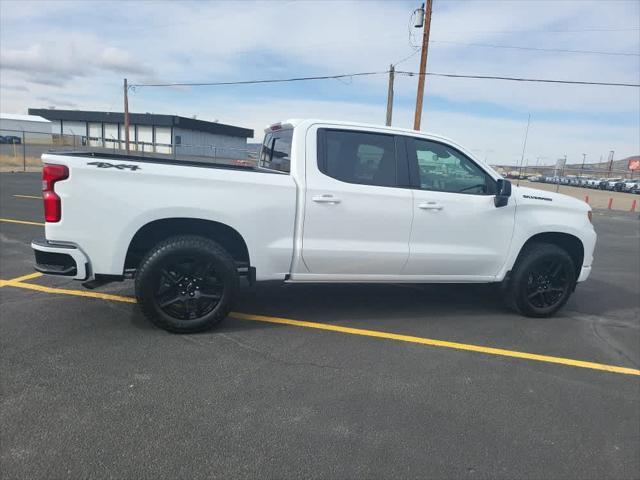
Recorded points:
(542, 281)
(186, 284)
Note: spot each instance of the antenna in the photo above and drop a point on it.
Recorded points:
(524, 146)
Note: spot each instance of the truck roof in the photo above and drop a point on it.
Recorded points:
(295, 122)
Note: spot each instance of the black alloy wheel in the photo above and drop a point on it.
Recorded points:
(547, 283)
(188, 289)
(542, 280)
(186, 284)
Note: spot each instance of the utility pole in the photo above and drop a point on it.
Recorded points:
(392, 72)
(584, 157)
(561, 172)
(423, 63)
(610, 163)
(126, 116)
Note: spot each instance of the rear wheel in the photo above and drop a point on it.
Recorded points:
(186, 284)
(542, 281)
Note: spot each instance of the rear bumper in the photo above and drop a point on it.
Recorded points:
(60, 259)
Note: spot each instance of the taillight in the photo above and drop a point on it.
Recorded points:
(52, 204)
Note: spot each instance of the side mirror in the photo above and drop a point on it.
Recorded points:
(503, 193)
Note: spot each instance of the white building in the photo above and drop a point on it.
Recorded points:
(29, 128)
(150, 133)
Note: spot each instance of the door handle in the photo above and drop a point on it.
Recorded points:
(430, 206)
(325, 198)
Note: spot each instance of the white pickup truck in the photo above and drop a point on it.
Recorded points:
(327, 202)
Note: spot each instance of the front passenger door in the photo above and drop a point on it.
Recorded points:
(457, 230)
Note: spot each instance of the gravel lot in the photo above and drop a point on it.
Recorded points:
(91, 390)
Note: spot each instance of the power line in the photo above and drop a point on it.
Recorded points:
(579, 30)
(561, 50)
(518, 79)
(364, 74)
(412, 54)
(250, 82)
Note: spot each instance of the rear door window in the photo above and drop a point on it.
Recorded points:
(358, 157)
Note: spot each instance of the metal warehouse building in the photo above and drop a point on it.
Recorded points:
(29, 128)
(150, 133)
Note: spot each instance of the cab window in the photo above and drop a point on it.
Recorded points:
(276, 151)
(442, 168)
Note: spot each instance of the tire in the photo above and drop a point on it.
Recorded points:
(186, 284)
(542, 281)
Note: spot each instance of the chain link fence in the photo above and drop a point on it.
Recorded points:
(21, 150)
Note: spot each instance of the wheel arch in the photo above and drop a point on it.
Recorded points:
(568, 242)
(157, 230)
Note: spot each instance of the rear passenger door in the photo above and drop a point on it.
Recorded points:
(358, 206)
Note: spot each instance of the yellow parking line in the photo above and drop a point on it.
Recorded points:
(438, 343)
(355, 331)
(23, 222)
(65, 291)
(27, 196)
(29, 276)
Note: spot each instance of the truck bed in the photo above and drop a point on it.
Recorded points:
(154, 159)
(108, 198)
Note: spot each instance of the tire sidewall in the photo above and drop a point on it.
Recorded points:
(540, 253)
(201, 248)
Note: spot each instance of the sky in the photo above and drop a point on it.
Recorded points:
(74, 55)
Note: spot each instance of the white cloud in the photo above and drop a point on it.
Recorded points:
(77, 53)
(54, 63)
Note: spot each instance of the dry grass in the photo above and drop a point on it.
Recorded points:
(10, 163)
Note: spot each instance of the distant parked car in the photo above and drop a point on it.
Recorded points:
(534, 178)
(12, 139)
(611, 183)
(629, 185)
(584, 181)
(599, 183)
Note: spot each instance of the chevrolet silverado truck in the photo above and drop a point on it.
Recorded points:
(327, 202)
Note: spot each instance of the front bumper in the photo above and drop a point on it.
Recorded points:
(584, 273)
(60, 259)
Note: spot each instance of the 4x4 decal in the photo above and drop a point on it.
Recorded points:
(119, 166)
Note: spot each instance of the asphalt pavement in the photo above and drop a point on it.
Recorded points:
(91, 390)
